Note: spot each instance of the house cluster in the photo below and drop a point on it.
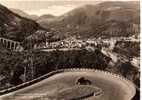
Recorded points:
(74, 42)
(66, 43)
(77, 43)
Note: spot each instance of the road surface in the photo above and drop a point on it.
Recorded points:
(113, 86)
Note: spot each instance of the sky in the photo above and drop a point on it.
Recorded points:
(54, 7)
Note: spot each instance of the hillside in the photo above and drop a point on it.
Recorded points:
(107, 19)
(15, 27)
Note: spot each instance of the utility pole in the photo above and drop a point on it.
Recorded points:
(25, 69)
(31, 65)
(29, 68)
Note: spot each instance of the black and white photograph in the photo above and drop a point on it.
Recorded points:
(70, 50)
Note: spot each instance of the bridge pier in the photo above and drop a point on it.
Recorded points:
(10, 45)
(14, 46)
(6, 44)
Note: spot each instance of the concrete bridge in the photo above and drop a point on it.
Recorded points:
(9, 44)
(61, 85)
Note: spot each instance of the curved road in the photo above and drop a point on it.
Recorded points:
(114, 87)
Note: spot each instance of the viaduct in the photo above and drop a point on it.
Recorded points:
(9, 44)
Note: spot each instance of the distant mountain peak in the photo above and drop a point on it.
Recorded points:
(24, 14)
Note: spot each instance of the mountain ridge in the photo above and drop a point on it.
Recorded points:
(89, 20)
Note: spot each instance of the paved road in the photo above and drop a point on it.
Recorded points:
(114, 87)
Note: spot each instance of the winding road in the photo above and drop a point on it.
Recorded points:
(114, 87)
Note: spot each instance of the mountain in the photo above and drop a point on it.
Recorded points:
(45, 18)
(106, 19)
(16, 27)
(24, 14)
(48, 16)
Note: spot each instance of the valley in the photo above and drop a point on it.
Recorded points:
(105, 36)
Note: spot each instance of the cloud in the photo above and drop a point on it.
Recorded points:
(56, 10)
